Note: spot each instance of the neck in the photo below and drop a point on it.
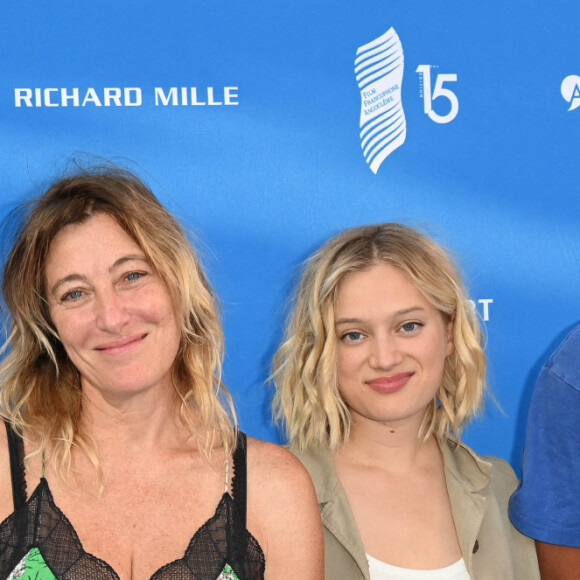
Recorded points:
(141, 422)
(396, 447)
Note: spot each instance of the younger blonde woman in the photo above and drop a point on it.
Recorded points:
(381, 369)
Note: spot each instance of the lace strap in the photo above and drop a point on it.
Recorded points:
(16, 451)
(239, 483)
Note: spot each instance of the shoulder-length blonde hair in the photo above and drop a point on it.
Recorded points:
(307, 400)
(40, 388)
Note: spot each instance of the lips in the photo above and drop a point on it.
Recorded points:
(390, 384)
(121, 346)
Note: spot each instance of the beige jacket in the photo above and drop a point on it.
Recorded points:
(479, 490)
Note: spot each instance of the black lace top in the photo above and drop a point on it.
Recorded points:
(39, 540)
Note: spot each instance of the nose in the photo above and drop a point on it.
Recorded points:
(385, 352)
(111, 311)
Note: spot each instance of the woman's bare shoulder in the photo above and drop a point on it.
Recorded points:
(283, 510)
(268, 459)
(6, 503)
(276, 472)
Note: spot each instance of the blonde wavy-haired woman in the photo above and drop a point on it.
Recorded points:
(381, 368)
(121, 458)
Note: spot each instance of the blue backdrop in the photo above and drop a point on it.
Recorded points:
(250, 122)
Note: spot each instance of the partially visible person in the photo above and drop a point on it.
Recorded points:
(381, 369)
(546, 506)
(121, 459)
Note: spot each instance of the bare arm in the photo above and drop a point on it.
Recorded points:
(283, 513)
(558, 562)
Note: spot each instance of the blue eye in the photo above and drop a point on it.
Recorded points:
(410, 327)
(73, 295)
(133, 276)
(352, 336)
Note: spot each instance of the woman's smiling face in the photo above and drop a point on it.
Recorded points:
(113, 314)
(392, 346)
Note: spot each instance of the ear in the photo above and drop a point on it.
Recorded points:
(450, 328)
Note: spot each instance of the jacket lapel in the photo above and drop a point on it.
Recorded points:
(335, 510)
(467, 477)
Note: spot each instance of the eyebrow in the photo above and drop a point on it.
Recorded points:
(129, 258)
(74, 277)
(396, 314)
(65, 280)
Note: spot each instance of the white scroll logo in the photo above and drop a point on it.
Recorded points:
(379, 72)
(570, 89)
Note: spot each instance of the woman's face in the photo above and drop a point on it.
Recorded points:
(392, 345)
(113, 315)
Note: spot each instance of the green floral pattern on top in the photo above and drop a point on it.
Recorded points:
(32, 567)
(227, 574)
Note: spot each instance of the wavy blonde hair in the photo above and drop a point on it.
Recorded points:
(307, 401)
(40, 389)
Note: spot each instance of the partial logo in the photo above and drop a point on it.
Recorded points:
(570, 89)
(430, 94)
(379, 69)
(482, 307)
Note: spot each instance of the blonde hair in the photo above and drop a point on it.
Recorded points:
(307, 400)
(40, 389)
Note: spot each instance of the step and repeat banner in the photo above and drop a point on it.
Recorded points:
(268, 127)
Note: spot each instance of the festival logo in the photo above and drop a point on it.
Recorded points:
(570, 90)
(430, 94)
(379, 72)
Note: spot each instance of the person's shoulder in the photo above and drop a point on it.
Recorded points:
(276, 478)
(563, 363)
(283, 512)
(273, 463)
(503, 478)
(572, 341)
(314, 458)
(502, 473)
(6, 503)
(483, 469)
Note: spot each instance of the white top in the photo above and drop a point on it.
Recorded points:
(383, 571)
